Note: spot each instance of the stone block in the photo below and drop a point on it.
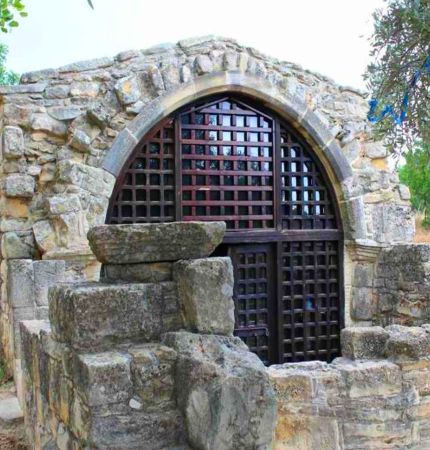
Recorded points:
(128, 244)
(18, 185)
(65, 112)
(103, 378)
(31, 332)
(18, 245)
(57, 205)
(203, 64)
(224, 389)
(95, 315)
(58, 91)
(46, 274)
(404, 192)
(45, 123)
(363, 304)
(13, 142)
(140, 429)
(85, 89)
(89, 64)
(296, 431)
(363, 342)
(363, 275)
(205, 289)
(153, 376)
(292, 385)
(128, 90)
(99, 116)
(369, 378)
(407, 343)
(20, 283)
(10, 410)
(80, 141)
(138, 273)
(375, 150)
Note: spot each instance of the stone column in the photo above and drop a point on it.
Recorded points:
(363, 306)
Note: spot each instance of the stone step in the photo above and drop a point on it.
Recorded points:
(96, 316)
(108, 400)
(131, 397)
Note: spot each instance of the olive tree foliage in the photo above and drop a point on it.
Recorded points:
(6, 76)
(416, 174)
(398, 76)
(10, 12)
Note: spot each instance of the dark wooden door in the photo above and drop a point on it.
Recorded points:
(228, 158)
(255, 298)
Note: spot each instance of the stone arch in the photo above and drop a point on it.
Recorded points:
(291, 109)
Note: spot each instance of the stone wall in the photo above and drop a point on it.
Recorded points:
(375, 397)
(391, 285)
(66, 133)
(26, 297)
(145, 359)
(403, 285)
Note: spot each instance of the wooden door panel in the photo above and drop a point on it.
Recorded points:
(255, 304)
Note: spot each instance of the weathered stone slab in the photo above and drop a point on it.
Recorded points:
(128, 244)
(138, 273)
(95, 316)
(205, 288)
(406, 343)
(363, 342)
(225, 393)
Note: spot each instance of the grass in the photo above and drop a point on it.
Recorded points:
(3, 377)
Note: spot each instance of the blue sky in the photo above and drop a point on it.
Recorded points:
(328, 36)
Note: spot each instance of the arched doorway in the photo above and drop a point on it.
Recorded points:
(227, 158)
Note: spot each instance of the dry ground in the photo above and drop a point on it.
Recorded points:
(422, 234)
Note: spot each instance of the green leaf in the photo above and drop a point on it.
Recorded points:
(14, 23)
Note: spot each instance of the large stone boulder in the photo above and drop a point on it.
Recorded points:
(154, 242)
(225, 393)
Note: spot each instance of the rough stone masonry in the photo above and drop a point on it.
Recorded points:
(146, 365)
(66, 134)
(134, 363)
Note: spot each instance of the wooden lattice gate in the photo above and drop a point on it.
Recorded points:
(225, 158)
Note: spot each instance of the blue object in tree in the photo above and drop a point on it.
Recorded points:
(388, 110)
